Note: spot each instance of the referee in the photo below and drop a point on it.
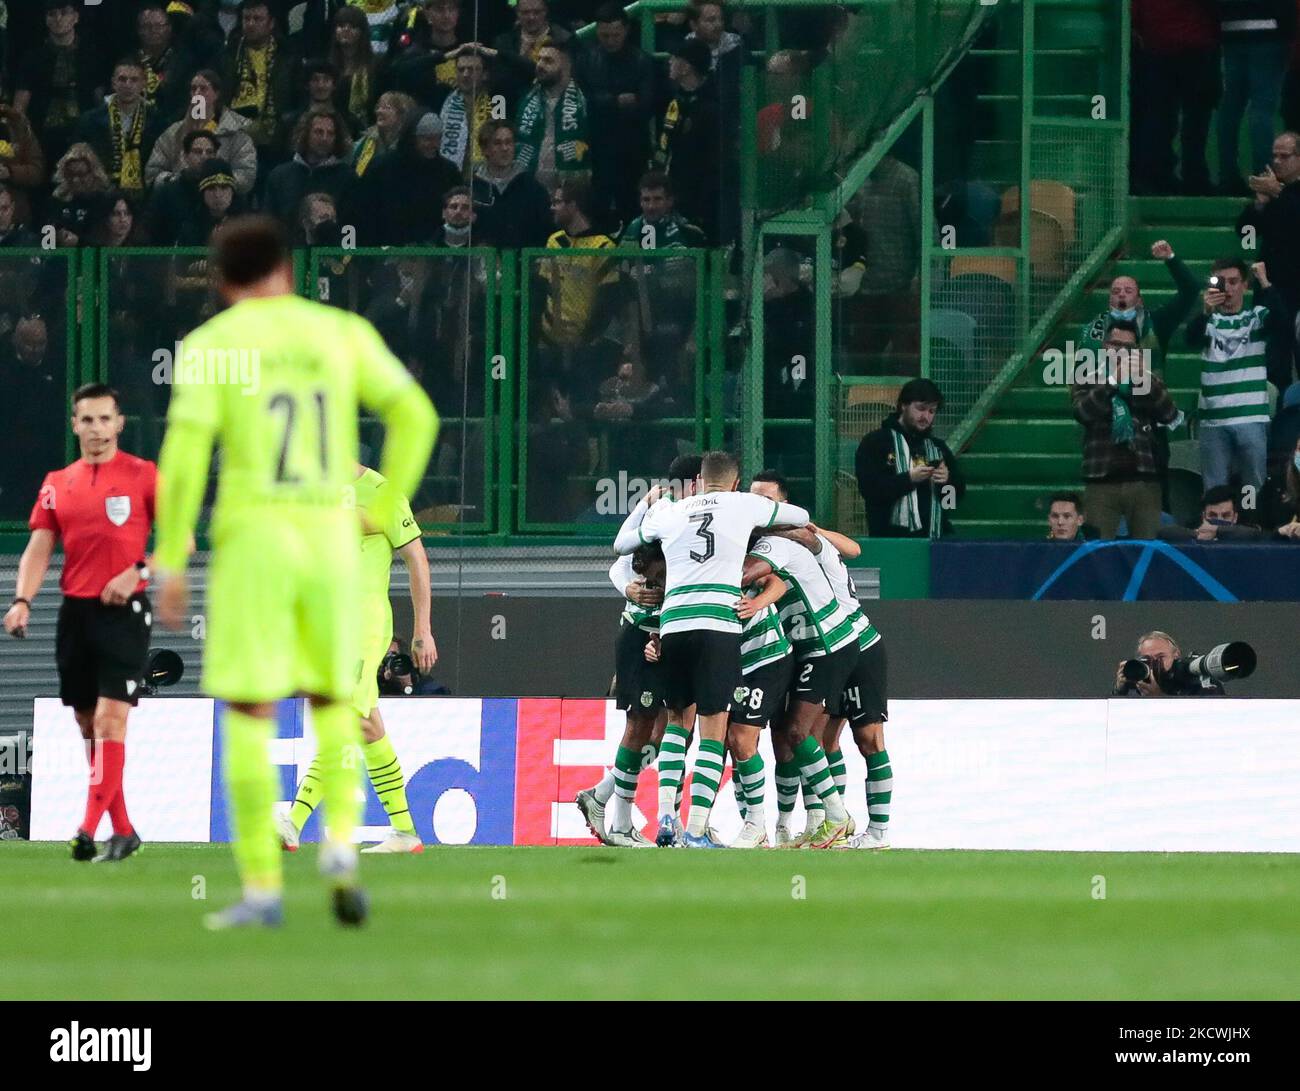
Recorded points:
(102, 506)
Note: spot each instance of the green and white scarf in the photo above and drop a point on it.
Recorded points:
(570, 130)
(907, 510)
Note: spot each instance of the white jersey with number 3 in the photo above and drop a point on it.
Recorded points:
(705, 538)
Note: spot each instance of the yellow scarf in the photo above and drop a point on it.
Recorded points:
(128, 171)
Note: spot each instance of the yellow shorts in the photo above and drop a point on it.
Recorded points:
(282, 605)
(376, 630)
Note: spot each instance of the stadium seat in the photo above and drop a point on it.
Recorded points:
(1046, 241)
(994, 266)
(988, 300)
(1054, 199)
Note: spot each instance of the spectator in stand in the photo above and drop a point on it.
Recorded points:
(13, 233)
(167, 64)
(122, 131)
(1155, 328)
(789, 344)
(207, 114)
(406, 186)
(1280, 505)
(888, 209)
(393, 111)
(513, 210)
(319, 83)
(318, 221)
(659, 295)
(421, 61)
(22, 163)
(34, 378)
(320, 21)
(1285, 430)
(1219, 521)
(458, 218)
(258, 71)
(321, 145)
(1065, 518)
(219, 203)
(1176, 82)
(1119, 412)
(581, 297)
(177, 199)
(81, 186)
(618, 79)
(353, 58)
(1233, 407)
(552, 138)
(659, 227)
(56, 83)
(118, 227)
(689, 149)
(1275, 216)
(465, 111)
(909, 479)
(520, 47)
(1257, 37)
(708, 22)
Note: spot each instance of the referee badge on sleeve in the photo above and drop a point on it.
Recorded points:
(118, 509)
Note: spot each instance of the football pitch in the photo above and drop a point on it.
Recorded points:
(596, 923)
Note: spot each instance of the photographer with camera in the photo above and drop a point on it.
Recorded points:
(398, 676)
(1160, 670)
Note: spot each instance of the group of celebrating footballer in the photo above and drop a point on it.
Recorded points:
(740, 614)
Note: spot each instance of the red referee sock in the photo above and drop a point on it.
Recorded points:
(106, 787)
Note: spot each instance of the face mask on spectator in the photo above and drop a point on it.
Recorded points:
(1128, 315)
(1295, 458)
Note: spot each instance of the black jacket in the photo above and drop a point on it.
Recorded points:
(1278, 228)
(690, 149)
(518, 215)
(290, 182)
(882, 483)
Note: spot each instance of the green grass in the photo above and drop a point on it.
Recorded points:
(602, 923)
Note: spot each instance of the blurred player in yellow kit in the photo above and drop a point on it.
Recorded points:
(400, 533)
(276, 381)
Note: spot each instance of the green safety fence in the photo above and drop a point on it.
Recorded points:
(439, 311)
(616, 378)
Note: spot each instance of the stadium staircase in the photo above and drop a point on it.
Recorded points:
(1030, 445)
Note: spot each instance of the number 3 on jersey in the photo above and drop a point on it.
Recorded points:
(705, 534)
(286, 405)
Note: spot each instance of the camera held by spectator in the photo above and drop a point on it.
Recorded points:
(1160, 670)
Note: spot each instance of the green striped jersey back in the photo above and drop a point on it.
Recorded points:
(704, 539)
(1234, 373)
(762, 641)
(837, 572)
(814, 619)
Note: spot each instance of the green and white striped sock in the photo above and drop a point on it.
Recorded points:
(752, 775)
(787, 789)
(835, 759)
(739, 789)
(705, 779)
(812, 764)
(880, 790)
(672, 768)
(627, 767)
(814, 812)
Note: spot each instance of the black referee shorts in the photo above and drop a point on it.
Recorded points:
(866, 693)
(102, 650)
(701, 668)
